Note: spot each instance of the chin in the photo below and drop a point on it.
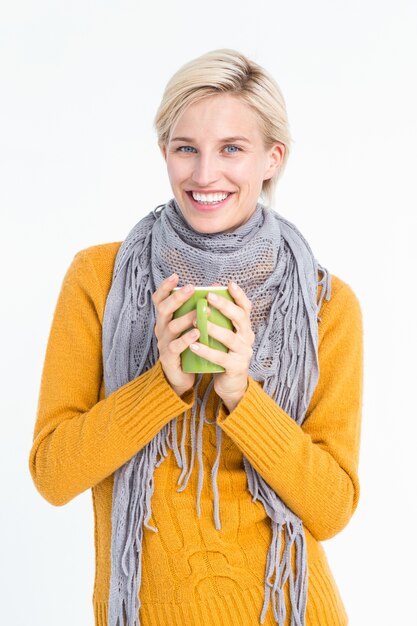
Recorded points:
(207, 228)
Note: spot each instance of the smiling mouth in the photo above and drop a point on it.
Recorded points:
(206, 200)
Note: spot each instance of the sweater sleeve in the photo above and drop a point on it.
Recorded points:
(78, 440)
(313, 468)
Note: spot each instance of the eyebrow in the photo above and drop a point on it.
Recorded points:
(224, 140)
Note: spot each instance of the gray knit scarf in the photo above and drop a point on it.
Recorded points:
(273, 263)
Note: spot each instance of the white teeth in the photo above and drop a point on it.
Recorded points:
(209, 197)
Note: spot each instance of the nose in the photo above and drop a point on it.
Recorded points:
(205, 170)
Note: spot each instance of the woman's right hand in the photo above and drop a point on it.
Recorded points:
(168, 331)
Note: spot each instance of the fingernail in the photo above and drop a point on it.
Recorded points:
(234, 285)
(194, 334)
(170, 278)
(194, 346)
(188, 288)
(212, 296)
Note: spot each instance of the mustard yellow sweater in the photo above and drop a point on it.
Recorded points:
(192, 573)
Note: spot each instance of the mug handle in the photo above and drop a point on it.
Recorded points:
(202, 306)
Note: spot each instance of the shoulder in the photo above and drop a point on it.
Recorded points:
(342, 310)
(101, 257)
(92, 269)
(341, 291)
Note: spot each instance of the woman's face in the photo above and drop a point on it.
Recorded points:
(216, 147)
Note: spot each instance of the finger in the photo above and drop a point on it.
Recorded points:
(234, 342)
(238, 315)
(179, 324)
(165, 288)
(215, 356)
(165, 308)
(227, 337)
(179, 345)
(184, 322)
(239, 296)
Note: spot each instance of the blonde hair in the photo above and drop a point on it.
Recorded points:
(228, 71)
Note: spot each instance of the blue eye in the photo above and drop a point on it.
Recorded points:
(231, 146)
(183, 147)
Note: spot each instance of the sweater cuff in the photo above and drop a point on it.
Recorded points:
(259, 427)
(145, 404)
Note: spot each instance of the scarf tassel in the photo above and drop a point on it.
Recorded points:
(138, 479)
(274, 591)
(197, 448)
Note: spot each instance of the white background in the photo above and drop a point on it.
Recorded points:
(79, 165)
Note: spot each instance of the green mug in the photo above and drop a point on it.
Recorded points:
(190, 361)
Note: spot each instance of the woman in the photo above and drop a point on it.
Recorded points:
(278, 430)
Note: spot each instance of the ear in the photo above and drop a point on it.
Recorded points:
(275, 157)
(163, 149)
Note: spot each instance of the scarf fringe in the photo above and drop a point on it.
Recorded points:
(274, 590)
(197, 446)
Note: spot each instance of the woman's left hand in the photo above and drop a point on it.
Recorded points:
(231, 384)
